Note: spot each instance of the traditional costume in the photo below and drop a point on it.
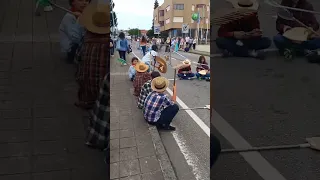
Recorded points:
(185, 72)
(141, 77)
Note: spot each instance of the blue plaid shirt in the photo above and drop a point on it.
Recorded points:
(154, 104)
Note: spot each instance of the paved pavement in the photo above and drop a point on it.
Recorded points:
(188, 146)
(42, 134)
(269, 102)
(135, 152)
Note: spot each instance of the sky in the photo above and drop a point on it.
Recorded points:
(134, 13)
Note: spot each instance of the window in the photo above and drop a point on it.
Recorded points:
(167, 21)
(177, 19)
(168, 8)
(161, 13)
(161, 23)
(178, 6)
(201, 5)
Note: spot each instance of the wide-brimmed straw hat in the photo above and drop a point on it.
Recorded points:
(96, 18)
(227, 15)
(299, 34)
(203, 72)
(141, 67)
(159, 84)
(186, 62)
(245, 4)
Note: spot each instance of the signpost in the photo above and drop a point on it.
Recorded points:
(185, 28)
(156, 29)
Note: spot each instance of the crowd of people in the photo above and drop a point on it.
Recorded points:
(244, 37)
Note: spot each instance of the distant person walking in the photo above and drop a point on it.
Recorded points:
(122, 47)
(143, 45)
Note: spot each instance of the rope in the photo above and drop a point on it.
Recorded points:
(275, 4)
(266, 148)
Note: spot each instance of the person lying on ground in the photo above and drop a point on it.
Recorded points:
(132, 71)
(71, 32)
(94, 54)
(146, 89)
(243, 37)
(142, 76)
(201, 67)
(159, 110)
(282, 25)
(98, 132)
(185, 72)
(149, 58)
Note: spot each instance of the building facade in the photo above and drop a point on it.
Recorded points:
(172, 14)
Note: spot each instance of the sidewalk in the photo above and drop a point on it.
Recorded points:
(200, 50)
(137, 152)
(42, 134)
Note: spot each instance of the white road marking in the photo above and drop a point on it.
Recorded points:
(257, 162)
(189, 156)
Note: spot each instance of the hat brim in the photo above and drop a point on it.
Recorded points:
(136, 67)
(203, 72)
(255, 5)
(86, 18)
(299, 34)
(162, 89)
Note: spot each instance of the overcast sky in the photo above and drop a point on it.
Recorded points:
(134, 13)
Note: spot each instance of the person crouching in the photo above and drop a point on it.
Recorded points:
(142, 76)
(146, 90)
(132, 71)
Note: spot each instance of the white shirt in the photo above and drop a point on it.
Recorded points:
(187, 39)
(149, 57)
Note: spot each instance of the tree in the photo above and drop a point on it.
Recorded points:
(134, 32)
(113, 15)
(156, 4)
(150, 33)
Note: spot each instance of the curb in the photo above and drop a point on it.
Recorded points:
(198, 52)
(161, 153)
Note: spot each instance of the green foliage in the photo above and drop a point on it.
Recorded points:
(150, 33)
(113, 15)
(134, 31)
(156, 4)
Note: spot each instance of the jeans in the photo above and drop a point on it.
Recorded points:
(122, 55)
(132, 78)
(215, 149)
(282, 42)
(112, 51)
(167, 115)
(144, 48)
(230, 44)
(203, 76)
(185, 75)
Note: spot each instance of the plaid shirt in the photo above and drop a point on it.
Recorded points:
(139, 80)
(154, 104)
(145, 91)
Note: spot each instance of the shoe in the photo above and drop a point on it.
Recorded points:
(288, 54)
(207, 79)
(167, 128)
(124, 64)
(47, 9)
(189, 78)
(199, 78)
(313, 57)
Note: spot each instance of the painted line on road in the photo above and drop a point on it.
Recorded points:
(255, 159)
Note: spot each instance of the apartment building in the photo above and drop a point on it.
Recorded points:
(172, 14)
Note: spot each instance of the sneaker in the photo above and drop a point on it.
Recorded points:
(189, 78)
(312, 56)
(288, 54)
(226, 54)
(47, 9)
(124, 64)
(256, 54)
(199, 78)
(207, 79)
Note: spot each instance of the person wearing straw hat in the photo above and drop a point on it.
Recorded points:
(159, 110)
(142, 76)
(146, 89)
(185, 72)
(288, 40)
(71, 32)
(203, 70)
(242, 36)
(94, 53)
(149, 58)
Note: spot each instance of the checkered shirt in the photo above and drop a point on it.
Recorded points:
(145, 91)
(154, 104)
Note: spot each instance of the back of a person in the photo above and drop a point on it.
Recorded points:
(65, 41)
(152, 102)
(123, 44)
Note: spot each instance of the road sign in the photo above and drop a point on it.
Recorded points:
(156, 29)
(185, 28)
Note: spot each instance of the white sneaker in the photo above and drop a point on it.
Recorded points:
(124, 64)
(47, 9)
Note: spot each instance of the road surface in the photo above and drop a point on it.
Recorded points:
(264, 103)
(188, 147)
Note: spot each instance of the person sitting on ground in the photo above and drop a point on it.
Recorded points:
(149, 58)
(159, 110)
(185, 72)
(146, 90)
(142, 76)
(285, 45)
(132, 70)
(71, 32)
(243, 37)
(203, 67)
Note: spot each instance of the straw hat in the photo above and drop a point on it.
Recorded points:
(141, 67)
(96, 18)
(186, 62)
(245, 4)
(203, 72)
(159, 84)
(227, 15)
(299, 34)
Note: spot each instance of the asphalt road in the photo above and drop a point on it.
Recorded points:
(188, 147)
(269, 102)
